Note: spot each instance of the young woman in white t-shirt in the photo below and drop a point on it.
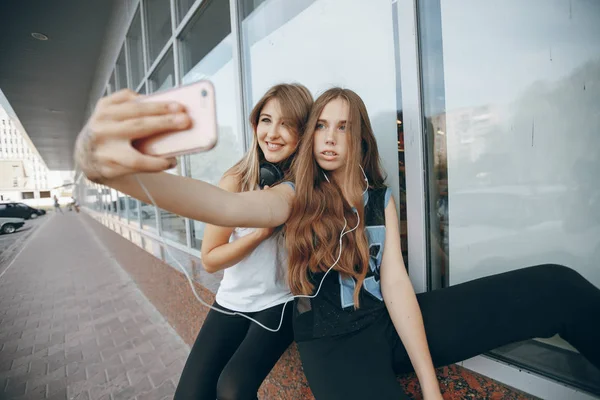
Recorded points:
(232, 356)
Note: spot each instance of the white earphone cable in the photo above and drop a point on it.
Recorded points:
(191, 282)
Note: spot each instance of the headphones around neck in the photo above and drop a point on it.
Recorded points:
(270, 174)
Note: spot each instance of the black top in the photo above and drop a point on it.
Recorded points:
(332, 311)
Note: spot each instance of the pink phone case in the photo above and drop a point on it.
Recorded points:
(199, 101)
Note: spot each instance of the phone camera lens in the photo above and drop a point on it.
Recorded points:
(204, 93)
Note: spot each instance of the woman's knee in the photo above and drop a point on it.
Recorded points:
(566, 286)
(235, 387)
(558, 274)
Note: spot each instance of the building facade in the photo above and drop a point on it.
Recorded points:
(23, 173)
(486, 116)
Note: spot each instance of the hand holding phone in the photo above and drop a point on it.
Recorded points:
(198, 99)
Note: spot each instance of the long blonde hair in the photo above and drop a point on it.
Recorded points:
(295, 102)
(317, 217)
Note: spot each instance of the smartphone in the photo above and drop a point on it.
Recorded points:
(199, 101)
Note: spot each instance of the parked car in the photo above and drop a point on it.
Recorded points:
(9, 225)
(19, 210)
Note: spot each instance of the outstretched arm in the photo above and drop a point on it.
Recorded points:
(105, 154)
(202, 201)
(402, 305)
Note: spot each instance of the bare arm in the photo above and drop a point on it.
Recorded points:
(201, 201)
(105, 154)
(402, 305)
(217, 252)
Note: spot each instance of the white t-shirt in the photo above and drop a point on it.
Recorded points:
(259, 281)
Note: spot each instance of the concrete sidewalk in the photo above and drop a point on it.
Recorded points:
(73, 325)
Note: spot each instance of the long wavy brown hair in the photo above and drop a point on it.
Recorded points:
(317, 219)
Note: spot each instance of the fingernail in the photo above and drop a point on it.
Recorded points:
(174, 107)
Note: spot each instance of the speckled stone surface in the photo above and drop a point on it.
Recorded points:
(169, 291)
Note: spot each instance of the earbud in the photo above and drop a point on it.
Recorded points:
(366, 179)
(363, 172)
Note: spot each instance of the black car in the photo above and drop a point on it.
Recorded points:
(19, 210)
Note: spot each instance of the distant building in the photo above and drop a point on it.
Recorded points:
(23, 173)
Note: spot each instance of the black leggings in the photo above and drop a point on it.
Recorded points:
(461, 321)
(232, 355)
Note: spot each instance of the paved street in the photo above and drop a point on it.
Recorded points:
(73, 325)
(11, 243)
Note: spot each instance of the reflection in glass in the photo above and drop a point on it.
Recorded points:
(512, 146)
(113, 201)
(147, 213)
(133, 205)
(182, 8)
(206, 52)
(122, 199)
(98, 197)
(400, 127)
(121, 71)
(112, 85)
(434, 141)
(136, 52)
(173, 225)
(164, 76)
(310, 42)
(158, 26)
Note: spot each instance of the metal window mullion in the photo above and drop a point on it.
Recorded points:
(238, 67)
(118, 205)
(175, 43)
(246, 80)
(129, 78)
(128, 75)
(177, 65)
(139, 213)
(117, 80)
(145, 81)
(190, 14)
(414, 156)
(141, 85)
(159, 58)
(144, 37)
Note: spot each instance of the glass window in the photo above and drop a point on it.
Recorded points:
(113, 201)
(147, 215)
(122, 205)
(164, 76)
(133, 210)
(136, 52)
(206, 52)
(158, 26)
(112, 84)
(121, 71)
(310, 42)
(183, 7)
(173, 226)
(512, 148)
